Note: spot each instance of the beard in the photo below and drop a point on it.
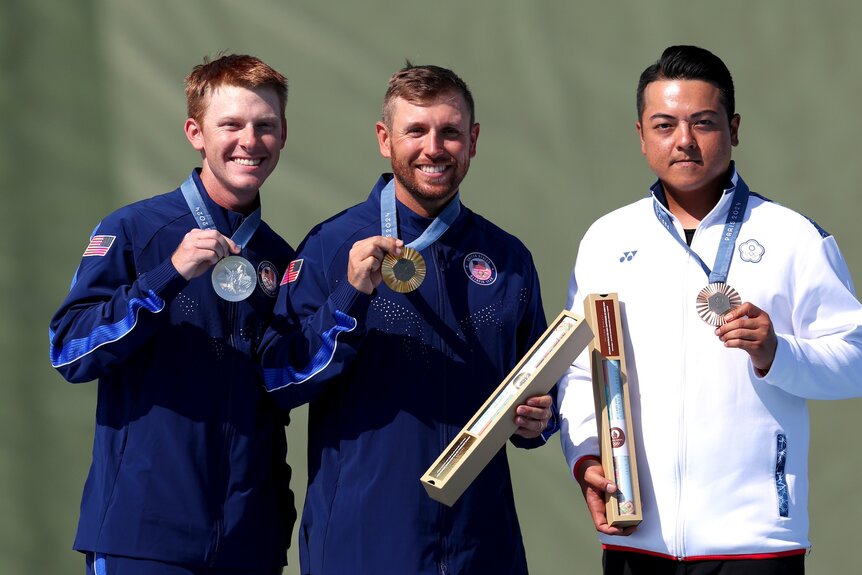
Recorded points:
(423, 192)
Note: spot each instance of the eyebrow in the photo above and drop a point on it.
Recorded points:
(410, 125)
(422, 124)
(234, 117)
(663, 116)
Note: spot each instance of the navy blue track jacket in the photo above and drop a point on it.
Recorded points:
(392, 378)
(189, 452)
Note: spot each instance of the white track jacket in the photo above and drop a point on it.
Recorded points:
(722, 453)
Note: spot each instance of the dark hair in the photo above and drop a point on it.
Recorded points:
(230, 70)
(419, 84)
(689, 63)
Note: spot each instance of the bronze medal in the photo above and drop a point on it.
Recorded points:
(715, 300)
(403, 274)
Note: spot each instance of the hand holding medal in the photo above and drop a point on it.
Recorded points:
(750, 329)
(718, 298)
(405, 273)
(233, 277)
(199, 250)
(739, 324)
(364, 261)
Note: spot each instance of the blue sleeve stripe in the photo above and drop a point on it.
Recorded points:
(104, 334)
(553, 423)
(279, 377)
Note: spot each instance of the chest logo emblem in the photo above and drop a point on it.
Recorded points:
(628, 256)
(267, 278)
(480, 269)
(751, 251)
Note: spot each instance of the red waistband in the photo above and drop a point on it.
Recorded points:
(772, 555)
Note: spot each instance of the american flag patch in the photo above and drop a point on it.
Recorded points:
(292, 272)
(99, 245)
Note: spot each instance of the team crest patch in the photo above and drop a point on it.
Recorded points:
(99, 246)
(751, 251)
(292, 273)
(480, 269)
(267, 278)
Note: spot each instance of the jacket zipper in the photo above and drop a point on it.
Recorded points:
(679, 538)
(443, 511)
(231, 315)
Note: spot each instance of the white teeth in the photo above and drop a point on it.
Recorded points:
(432, 169)
(246, 161)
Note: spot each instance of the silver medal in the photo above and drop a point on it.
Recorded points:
(234, 278)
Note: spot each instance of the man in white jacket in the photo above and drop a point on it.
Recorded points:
(736, 311)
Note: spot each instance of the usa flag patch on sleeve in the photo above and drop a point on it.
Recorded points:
(99, 245)
(292, 273)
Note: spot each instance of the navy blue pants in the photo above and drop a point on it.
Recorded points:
(100, 564)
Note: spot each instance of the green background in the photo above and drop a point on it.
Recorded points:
(92, 107)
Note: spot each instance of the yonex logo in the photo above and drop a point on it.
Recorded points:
(627, 256)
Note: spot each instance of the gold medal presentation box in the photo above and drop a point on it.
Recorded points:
(613, 409)
(491, 426)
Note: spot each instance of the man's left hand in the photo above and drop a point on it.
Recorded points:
(749, 328)
(533, 416)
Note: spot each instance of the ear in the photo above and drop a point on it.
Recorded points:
(640, 130)
(384, 140)
(474, 137)
(194, 134)
(734, 129)
(283, 131)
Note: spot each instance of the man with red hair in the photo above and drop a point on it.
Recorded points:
(166, 309)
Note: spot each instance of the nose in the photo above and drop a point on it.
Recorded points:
(434, 144)
(248, 136)
(685, 137)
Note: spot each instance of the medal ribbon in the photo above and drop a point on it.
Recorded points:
(389, 219)
(728, 239)
(205, 221)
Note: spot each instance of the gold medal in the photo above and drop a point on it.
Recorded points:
(715, 300)
(403, 274)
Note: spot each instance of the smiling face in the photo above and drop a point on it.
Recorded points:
(687, 137)
(430, 145)
(240, 139)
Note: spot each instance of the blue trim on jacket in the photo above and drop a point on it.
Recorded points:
(189, 451)
(75, 349)
(396, 389)
(276, 378)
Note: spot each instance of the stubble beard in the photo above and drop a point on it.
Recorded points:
(405, 177)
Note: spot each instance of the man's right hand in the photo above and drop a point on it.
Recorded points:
(200, 250)
(594, 485)
(365, 258)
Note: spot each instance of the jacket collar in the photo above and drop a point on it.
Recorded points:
(223, 218)
(719, 211)
(409, 222)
